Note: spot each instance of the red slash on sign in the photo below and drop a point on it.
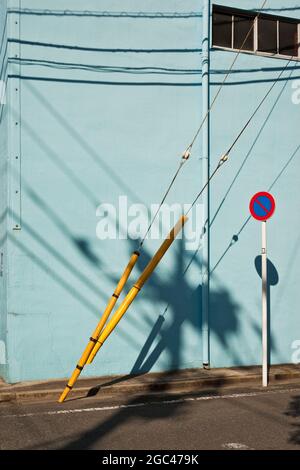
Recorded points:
(262, 205)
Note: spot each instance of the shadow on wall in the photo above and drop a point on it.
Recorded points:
(148, 69)
(183, 305)
(166, 336)
(236, 236)
(180, 307)
(272, 280)
(137, 71)
(183, 300)
(151, 15)
(224, 310)
(177, 292)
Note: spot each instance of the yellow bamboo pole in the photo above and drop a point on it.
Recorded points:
(93, 339)
(137, 287)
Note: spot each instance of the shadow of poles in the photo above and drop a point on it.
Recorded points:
(138, 410)
(170, 342)
(272, 280)
(144, 361)
(165, 336)
(141, 365)
(178, 292)
(158, 351)
(61, 259)
(138, 367)
(144, 410)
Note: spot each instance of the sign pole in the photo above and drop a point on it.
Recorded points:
(264, 303)
(262, 207)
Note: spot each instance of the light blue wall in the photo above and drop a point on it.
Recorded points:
(112, 123)
(3, 187)
(265, 158)
(109, 96)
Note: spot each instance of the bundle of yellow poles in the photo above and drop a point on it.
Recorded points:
(101, 333)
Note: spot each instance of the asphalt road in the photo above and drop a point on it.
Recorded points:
(235, 419)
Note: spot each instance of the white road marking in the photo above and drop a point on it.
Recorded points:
(236, 446)
(151, 403)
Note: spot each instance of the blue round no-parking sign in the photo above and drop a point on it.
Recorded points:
(262, 206)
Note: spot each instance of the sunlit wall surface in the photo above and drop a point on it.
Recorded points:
(101, 100)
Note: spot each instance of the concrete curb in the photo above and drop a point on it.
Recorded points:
(190, 381)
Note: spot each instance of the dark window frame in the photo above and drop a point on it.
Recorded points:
(221, 9)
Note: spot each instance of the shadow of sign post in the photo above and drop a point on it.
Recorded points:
(272, 280)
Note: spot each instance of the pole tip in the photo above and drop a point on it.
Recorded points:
(184, 219)
(63, 395)
(90, 359)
